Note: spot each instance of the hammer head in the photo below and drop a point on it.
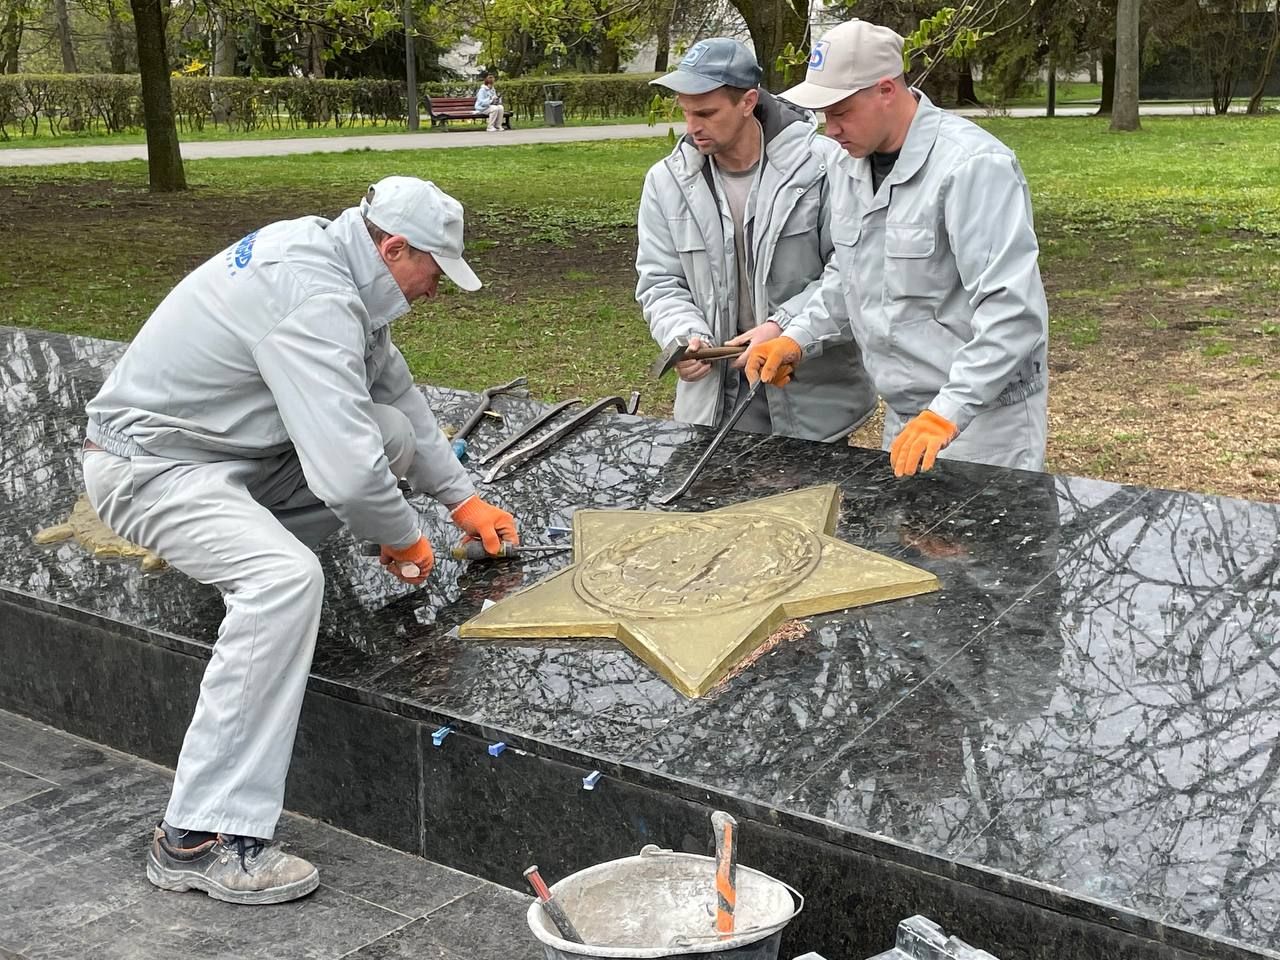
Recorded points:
(672, 354)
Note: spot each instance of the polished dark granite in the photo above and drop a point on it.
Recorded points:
(1089, 702)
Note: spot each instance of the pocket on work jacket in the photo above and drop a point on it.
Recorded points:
(920, 357)
(914, 267)
(692, 251)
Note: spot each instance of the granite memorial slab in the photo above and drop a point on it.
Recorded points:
(1071, 749)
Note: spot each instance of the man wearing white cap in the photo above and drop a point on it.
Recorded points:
(262, 406)
(734, 234)
(935, 264)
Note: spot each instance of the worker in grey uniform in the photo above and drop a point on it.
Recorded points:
(262, 406)
(935, 265)
(733, 237)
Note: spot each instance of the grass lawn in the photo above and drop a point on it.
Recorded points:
(1160, 251)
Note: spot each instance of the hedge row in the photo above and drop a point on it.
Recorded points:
(112, 103)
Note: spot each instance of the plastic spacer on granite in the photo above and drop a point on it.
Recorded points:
(590, 780)
(437, 736)
(495, 749)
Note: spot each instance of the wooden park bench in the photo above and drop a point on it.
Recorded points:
(444, 109)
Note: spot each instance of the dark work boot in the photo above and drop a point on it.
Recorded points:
(234, 869)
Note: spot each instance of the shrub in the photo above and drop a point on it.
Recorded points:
(112, 103)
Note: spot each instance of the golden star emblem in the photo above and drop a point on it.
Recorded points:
(691, 594)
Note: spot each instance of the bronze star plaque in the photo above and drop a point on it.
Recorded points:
(691, 594)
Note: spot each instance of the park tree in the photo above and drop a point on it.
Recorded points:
(14, 15)
(774, 25)
(66, 47)
(1268, 60)
(1124, 115)
(164, 158)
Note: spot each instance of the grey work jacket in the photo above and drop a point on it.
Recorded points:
(687, 268)
(283, 341)
(937, 272)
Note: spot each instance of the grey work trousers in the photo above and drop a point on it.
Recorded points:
(249, 528)
(1012, 436)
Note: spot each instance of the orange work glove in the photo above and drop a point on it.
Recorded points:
(917, 446)
(491, 525)
(773, 361)
(401, 563)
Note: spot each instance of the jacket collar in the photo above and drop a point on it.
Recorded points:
(377, 289)
(786, 130)
(921, 136)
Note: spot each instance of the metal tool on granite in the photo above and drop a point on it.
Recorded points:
(474, 550)
(548, 440)
(551, 906)
(486, 399)
(527, 431)
(734, 417)
(678, 350)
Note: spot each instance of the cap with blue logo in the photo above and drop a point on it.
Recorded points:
(850, 57)
(427, 217)
(714, 63)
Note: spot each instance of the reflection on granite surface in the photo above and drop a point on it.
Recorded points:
(1090, 701)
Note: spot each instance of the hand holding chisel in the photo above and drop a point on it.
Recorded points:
(474, 550)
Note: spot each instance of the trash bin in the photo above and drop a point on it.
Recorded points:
(552, 105)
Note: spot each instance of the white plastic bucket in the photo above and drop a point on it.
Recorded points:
(662, 904)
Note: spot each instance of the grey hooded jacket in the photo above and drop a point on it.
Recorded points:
(686, 264)
(938, 271)
(283, 341)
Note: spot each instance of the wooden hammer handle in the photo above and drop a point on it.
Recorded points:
(715, 353)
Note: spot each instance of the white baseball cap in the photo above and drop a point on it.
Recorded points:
(427, 217)
(850, 57)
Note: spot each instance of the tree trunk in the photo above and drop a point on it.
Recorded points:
(225, 49)
(1093, 66)
(662, 59)
(224, 65)
(966, 94)
(411, 118)
(773, 24)
(1107, 97)
(164, 159)
(11, 41)
(63, 20)
(1051, 107)
(116, 48)
(316, 45)
(1125, 109)
(1268, 62)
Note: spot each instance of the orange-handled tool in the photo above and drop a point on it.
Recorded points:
(551, 906)
(726, 829)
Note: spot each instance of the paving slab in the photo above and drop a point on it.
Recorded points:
(73, 887)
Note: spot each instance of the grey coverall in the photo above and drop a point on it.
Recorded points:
(687, 271)
(937, 272)
(256, 411)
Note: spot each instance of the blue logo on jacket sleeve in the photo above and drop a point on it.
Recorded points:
(238, 257)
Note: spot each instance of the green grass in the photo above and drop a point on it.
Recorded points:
(1185, 203)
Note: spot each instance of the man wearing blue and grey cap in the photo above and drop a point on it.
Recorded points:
(260, 408)
(734, 232)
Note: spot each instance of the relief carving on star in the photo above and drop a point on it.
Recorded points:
(691, 594)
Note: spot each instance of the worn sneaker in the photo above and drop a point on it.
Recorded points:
(234, 869)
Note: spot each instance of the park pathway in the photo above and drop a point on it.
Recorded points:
(200, 150)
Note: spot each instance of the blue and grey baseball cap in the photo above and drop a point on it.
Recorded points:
(718, 62)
